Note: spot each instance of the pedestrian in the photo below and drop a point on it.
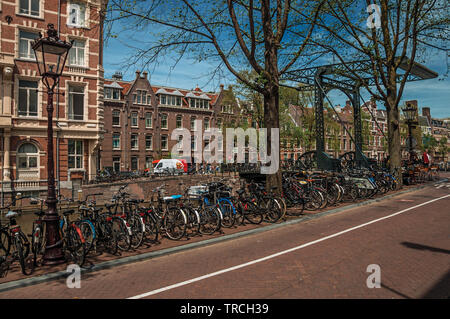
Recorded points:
(426, 158)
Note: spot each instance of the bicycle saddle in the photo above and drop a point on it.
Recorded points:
(240, 191)
(109, 205)
(11, 214)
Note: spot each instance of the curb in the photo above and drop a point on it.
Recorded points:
(131, 259)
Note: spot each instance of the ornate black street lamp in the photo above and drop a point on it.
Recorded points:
(410, 111)
(51, 54)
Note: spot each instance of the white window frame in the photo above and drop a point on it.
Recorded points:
(166, 138)
(179, 116)
(75, 155)
(30, 54)
(112, 117)
(149, 137)
(114, 137)
(29, 12)
(166, 116)
(148, 115)
(28, 89)
(77, 7)
(27, 157)
(134, 117)
(69, 101)
(76, 48)
(136, 146)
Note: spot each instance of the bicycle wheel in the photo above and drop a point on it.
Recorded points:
(252, 213)
(137, 230)
(88, 231)
(274, 210)
(121, 233)
(26, 264)
(75, 245)
(228, 213)
(37, 238)
(209, 220)
(151, 228)
(313, 200)
(109, 237)
(175, 222)
(5, 243)
(193, 224)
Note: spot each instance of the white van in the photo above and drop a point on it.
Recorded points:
(170, 166)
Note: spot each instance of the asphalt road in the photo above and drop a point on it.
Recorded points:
(400, 245)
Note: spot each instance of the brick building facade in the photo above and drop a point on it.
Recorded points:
(78, 116)
(140, 118)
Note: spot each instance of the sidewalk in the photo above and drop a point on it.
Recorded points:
(14, 277)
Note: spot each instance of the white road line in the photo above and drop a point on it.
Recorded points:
(216, 273)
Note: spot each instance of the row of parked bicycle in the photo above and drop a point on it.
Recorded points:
(125, 223)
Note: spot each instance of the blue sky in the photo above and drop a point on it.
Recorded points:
(187, 74)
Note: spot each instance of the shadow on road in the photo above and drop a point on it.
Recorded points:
(441, 290)
(395, 291)
(423, 247)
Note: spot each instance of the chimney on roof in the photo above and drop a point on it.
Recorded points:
(138, 74)
(117, 76)
(221, 87)
(145, 73)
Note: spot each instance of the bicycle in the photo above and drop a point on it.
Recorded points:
(172, 220)
(12, 237)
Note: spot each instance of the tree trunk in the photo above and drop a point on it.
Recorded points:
(272, 120)
(394, 146)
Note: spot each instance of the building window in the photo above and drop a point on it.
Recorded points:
(164, 142)
(164, 121)
(27, 156)
(75, 151)
(170, 100)
(179, 122)
(76, 103)
(29, 7)
(134, 163)
(28, 100)
(108, 93)
(77, 13)
(134, 141)
(76, 53)
(116, 118)
(25, 41)
(148, 120)
(116, 164)
(206, 123)
(116, 94)
(116, 141)
(193, 128)
(227, 109)
(219, 124)
(148, 142)
(193, 143)
(134, 119)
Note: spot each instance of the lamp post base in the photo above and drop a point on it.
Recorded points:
(53, 251)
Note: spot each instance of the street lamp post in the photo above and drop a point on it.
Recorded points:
(409, 111)
(51, 54)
